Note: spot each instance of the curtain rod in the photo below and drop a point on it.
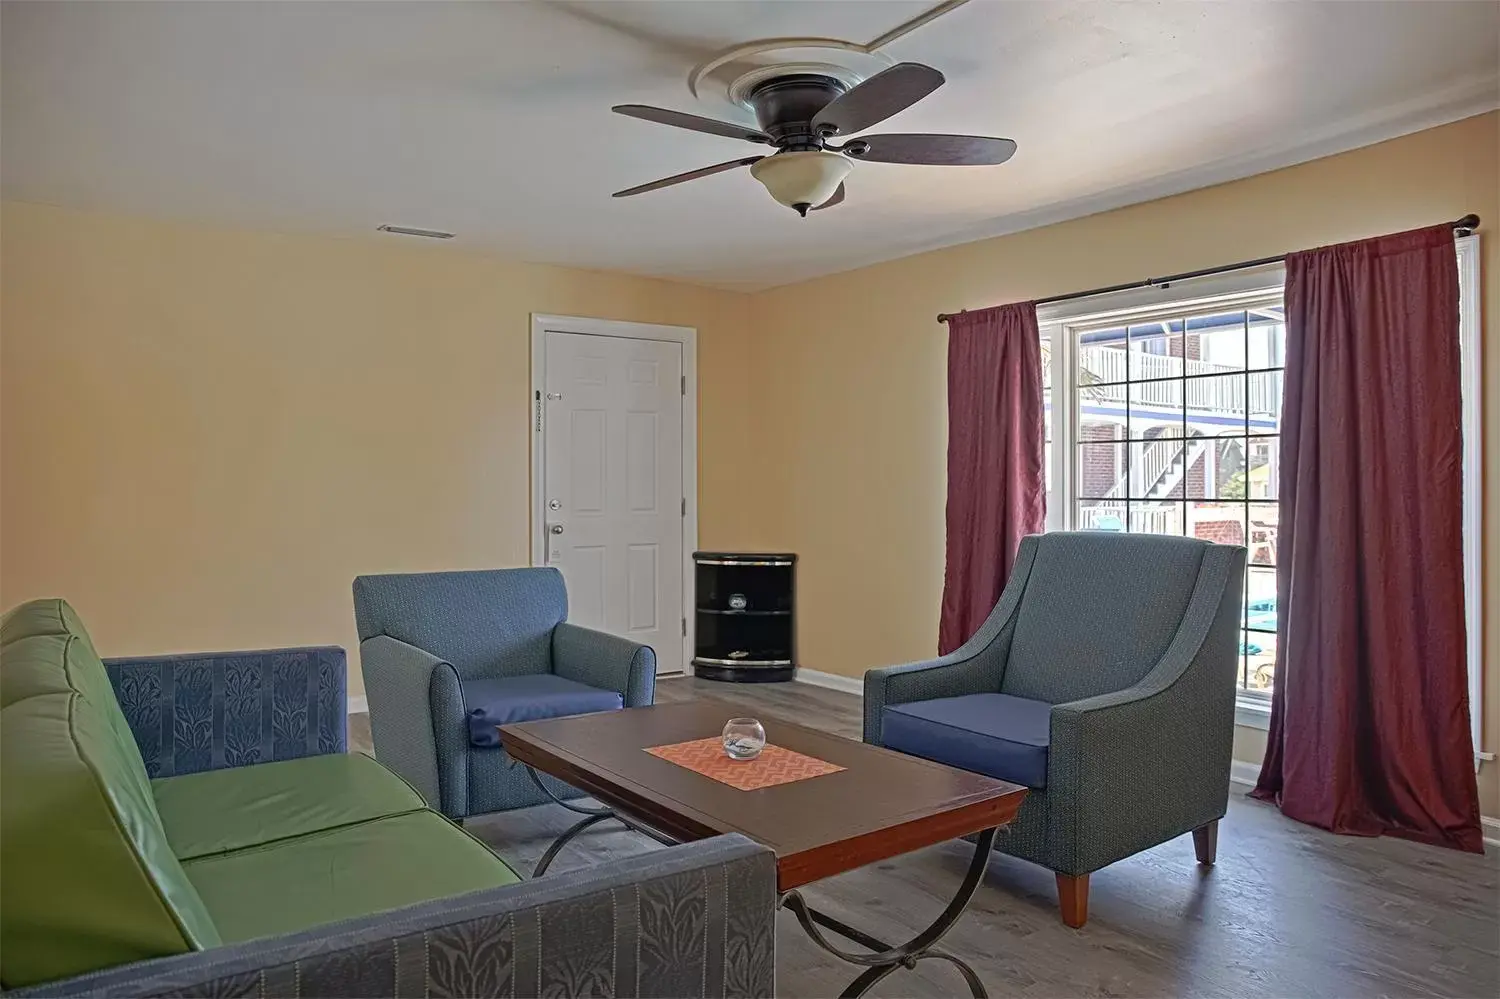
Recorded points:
(1462, 227)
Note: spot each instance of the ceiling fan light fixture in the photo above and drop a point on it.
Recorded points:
(801, 180)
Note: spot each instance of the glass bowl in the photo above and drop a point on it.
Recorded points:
(744, 738)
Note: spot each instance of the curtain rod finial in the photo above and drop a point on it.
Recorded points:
(1467, 224)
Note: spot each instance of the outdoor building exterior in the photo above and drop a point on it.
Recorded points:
(1176, 430)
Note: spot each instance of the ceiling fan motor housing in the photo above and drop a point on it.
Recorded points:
(786, 106)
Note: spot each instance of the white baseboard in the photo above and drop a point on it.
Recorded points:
(1491, 830)
(1244, 772)
(358, 705)
(833, 681)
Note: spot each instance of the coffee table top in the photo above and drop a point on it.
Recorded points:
(882, 804)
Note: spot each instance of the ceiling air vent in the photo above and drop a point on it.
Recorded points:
(403, 230)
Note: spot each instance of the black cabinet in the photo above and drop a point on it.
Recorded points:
(744, 627)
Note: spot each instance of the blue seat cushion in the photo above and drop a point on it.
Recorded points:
(512, 699)
(994, 734)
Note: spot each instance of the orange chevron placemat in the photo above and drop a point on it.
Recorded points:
(773, 766)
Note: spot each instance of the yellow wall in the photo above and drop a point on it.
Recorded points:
(205, 435)
(850, 373)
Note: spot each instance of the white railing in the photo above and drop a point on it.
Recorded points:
(1111, 514)
(1265, 394)
(1151, 461)
(1144, 518)
(1108, 364)
(1261, 391)
(1155, 458)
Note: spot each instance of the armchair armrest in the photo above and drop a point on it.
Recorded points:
(1135, 767)
(976, 667)
(405, 685)
(605, 661)
(212, 710)
(610, 929)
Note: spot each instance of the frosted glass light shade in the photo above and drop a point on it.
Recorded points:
(802, 180)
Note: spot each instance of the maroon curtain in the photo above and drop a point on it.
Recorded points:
(1370, 719)
(996, 492)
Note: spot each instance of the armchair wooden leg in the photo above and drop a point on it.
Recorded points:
(1206, 842)
(1073, 898)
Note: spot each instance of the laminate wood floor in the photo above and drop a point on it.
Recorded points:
(1288, 911)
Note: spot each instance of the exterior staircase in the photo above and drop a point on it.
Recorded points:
(1162, 465)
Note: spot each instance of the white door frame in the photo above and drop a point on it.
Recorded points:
(687, 336)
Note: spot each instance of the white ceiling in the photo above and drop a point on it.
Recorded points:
(492, 120)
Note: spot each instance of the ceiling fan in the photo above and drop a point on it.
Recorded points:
(799, 112)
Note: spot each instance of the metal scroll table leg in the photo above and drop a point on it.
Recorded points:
(536, 779)
(591, 816)
(885, 958)
(563, 840)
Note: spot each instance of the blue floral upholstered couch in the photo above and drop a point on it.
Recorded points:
(191, 713)
(193, 826)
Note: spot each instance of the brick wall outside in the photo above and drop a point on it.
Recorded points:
(1099, 467)
(1197, 477)
(1191, 348)
(1223, 532)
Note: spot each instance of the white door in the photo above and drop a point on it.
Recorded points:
(612, 485)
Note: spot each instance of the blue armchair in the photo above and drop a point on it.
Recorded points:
(449, 656)
(1104, 680)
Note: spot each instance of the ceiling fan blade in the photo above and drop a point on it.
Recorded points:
(933, 150)
(879, 97)
(697, 123)
(836, 198)
(690, 175)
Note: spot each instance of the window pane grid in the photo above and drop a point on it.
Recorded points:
(1238, 435)
(1199, 376)
(1181, 437)
(1269, 504)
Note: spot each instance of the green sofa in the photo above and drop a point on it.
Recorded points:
(276, 876)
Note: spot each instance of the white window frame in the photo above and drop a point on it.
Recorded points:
(1058, 321)
(1472, 374)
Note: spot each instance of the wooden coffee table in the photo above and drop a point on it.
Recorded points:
(881, 805)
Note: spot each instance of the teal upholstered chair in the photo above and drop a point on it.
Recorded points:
(1104, 680)
(447, 657)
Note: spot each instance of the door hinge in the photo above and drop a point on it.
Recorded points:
(684, 627)
(684, 506)
(539, 411)
(684, 384)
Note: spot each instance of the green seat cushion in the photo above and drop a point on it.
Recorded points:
(90, 880)
(328, 876)
(224, 810)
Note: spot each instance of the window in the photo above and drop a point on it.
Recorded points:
(1176, 426)
(1163, 413)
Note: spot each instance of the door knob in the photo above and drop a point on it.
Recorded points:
(555, 528)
